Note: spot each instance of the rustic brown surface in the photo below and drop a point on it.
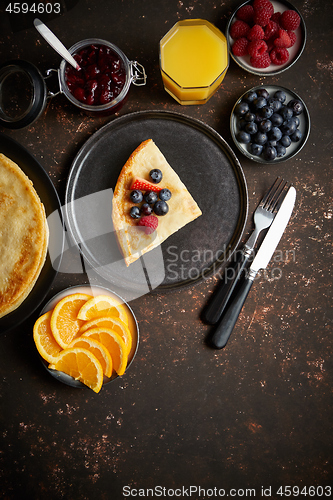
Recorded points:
(257, 414)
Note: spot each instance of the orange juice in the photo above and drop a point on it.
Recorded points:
(194, 60)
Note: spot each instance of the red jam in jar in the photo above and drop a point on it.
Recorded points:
(101, 77)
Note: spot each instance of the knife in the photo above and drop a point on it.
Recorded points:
(224, 328)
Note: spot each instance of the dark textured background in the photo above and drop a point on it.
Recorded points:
(258, 413)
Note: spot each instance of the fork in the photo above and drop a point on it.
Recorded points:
(263, 217)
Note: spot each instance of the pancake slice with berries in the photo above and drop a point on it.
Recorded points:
(150, 202)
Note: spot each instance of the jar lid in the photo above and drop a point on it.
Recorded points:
(23, 94)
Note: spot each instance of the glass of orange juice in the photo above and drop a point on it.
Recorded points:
(194, 59)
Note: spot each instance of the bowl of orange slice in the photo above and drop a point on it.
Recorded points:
(86, 336)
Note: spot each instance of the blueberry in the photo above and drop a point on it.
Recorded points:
(165, 194)
(161, 207)
(275, 104)
(271, 142)
(135, 212)
(241, 109)
(286, 112)
(276, 120)
(266, 112)
(156, 175)
(296, 120)
(265, 126)
(251, 128)
(260, 138)
(296, 136)
(285, 141)
(256, 149)
(263, 93)
(259, 103)
(280, 95)
(288, 127)
(269, 153)
(150, 197)
(249, 117)
(250, 96)
(243, 137)
(136, 196)
(258, 118)
(280, 150)
(274, 134)
(296, 106)
(146, 209)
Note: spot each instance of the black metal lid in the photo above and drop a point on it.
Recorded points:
(23, 94)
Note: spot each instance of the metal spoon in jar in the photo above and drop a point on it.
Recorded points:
(55, 42)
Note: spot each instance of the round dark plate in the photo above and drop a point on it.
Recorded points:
(295, 51)
(207, 166)
(94, 291)
(294, 147)
(48, 195)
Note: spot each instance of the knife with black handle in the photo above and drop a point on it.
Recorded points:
(226, 325)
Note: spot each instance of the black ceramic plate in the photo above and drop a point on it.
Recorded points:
(49, 198)
(94, 291)
(206, 165)
(295, 147)
(295, 51)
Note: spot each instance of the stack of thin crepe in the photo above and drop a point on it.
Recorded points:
(23, 236)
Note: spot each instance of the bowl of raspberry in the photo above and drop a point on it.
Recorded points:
(101, 85)
(270, 124)
(266, 37)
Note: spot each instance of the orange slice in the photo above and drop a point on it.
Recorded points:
(114, 344)
(65, 325)
(82, 365)
(114, 324)
(102, 305)
(46, 344)
(98, 349)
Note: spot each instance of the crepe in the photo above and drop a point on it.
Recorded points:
(23, 236)
(182, 207)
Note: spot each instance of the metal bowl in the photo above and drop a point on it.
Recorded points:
(294, 148)
(295, 51)
(93, 290)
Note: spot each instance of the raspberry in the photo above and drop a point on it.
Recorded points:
(261, 16)
(255, 33)
(290, 20)
(149, 222)
(245, 13)
(276, 17)
(270, 44)
(279, 55)
(239, 29)
(262, 61)
(271, 30)
(239, 48)
(144, 185)
(283, 40)
(264, 4)
(293, 37)
(257, 48)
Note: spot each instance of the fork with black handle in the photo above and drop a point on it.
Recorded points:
(263, 217)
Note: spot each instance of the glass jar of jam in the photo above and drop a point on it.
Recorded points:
(100, 87)
(102, 83)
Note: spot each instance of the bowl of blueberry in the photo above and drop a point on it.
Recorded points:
(270, 124)
(266, 37)
(101, 84)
